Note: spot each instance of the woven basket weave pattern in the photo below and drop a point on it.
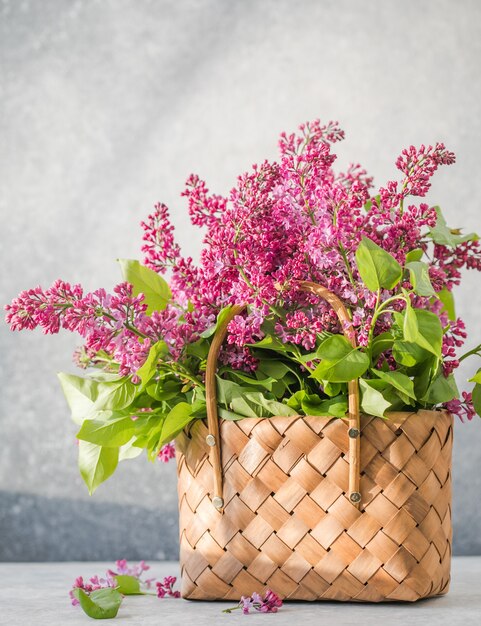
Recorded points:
(288, 524)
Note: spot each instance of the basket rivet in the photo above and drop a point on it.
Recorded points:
(218, 502)
(353, 433)
(210, 440)
(355, 497)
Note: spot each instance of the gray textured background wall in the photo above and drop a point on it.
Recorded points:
(107, 106)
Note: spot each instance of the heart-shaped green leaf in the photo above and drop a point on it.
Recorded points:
(377, 268)
(340, 361)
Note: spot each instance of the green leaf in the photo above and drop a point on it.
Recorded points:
(175, 421)
(273, 368)
(109, 429)
(144, 280)
(419, 278)
(476, 378)
(99, 604)
(377, 268)
(313, 405)
(96, 463)
(115, 395)
(375, 200)
(148, 369)
(340, 361)
(414, 255)
(255, 382)
(441, 390)
(381, 343)
(408, 354)
(80, 394)
(398, 380)
(476, 396)
(372, 400)
(445, 236)
(270, 342)
(269, 405)
(430, 334)
(225, 414)
(164, 390)
(221, 317)
(410, 324)
(128, 585)
(332, 389)
(129, 451)
(447, 299)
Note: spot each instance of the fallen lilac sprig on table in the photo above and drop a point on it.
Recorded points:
(101, 597)
(270, 603)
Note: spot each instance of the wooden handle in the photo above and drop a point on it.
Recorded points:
(213, 438)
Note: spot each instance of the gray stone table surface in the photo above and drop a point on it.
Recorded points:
(35, 594)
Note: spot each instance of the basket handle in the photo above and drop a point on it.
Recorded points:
(213, 438)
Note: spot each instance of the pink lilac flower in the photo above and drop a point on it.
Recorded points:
(167, 452)
(270, 603)
(160, 248)
(461, 407)
(122, 567)
(165, 588)
(284, 221)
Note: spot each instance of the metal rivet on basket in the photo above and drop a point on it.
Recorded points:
(210, 440)
(353, 433)
(355, 497)
(218, 502)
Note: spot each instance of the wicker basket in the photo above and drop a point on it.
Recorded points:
(301, 506)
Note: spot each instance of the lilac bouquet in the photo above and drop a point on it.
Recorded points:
(390, 258)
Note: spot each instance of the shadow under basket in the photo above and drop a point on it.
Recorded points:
(288, 523)
(314, 508)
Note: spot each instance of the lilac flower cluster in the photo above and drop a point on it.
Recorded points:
(122, 567)
(284, 221)
(270, 603)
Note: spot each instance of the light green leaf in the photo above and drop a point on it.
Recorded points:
(268, 406)
(476, 396)
(372, 400)
(414, 255)
(335, 407)
(99, 604)
(441, 390)
(148, 369)
(109, 429)
(409, 354)
(96, 463)
(377, 268)
(115, 395)
(175, 421)
(128, 585)
(129, 450)
(86, 396)
(476, 378)
(410, 325)
(447, 299)
(80, 394)
(270, 342)
(255, 382)
(225, 414)
(375, 200)
(242, 406)
(398, 380)
(144, 280)
(221, 317)
(340, 361)
(419, 278)
(381, 343)
(430, 334)
(445, 236)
